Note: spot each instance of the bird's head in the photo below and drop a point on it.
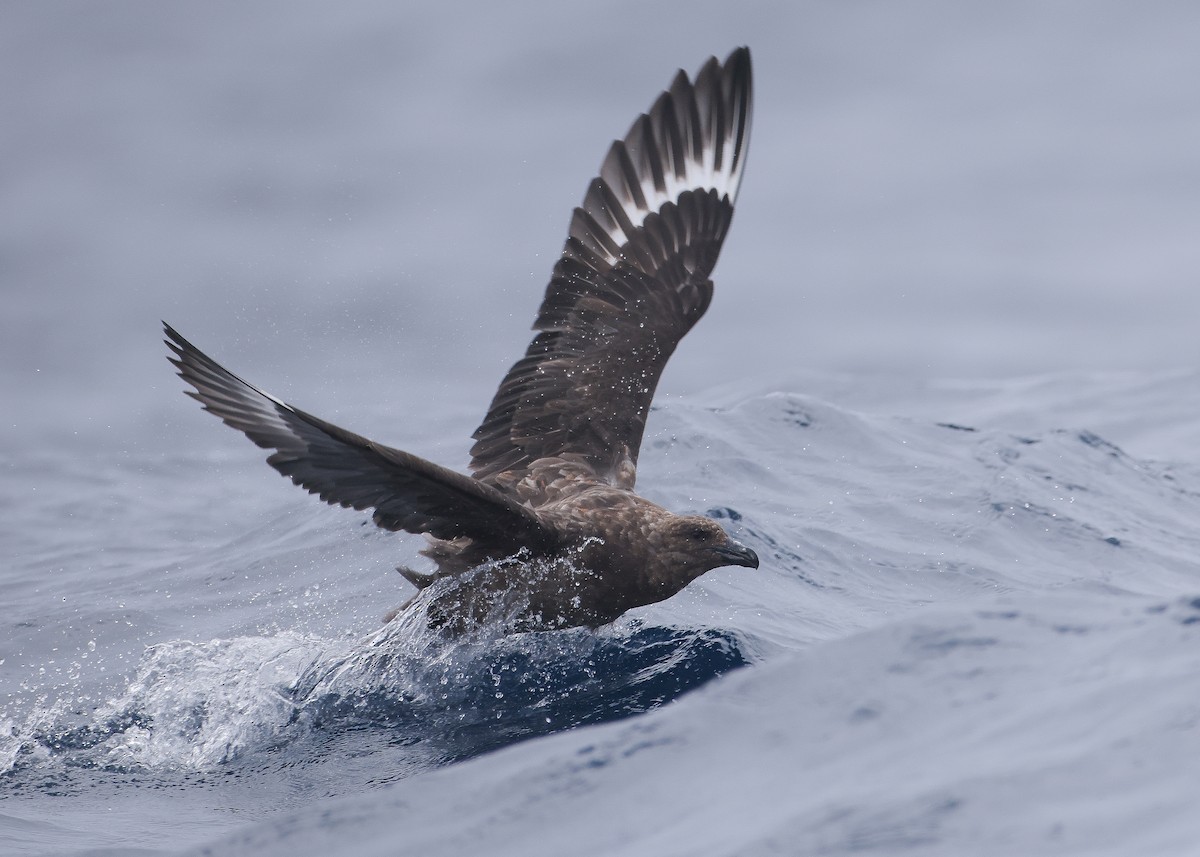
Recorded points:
(690, 545)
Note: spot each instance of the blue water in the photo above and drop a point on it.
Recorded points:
(947, 390)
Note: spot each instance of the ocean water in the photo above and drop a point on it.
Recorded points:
(948, 391)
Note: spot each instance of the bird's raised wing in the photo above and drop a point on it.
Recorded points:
(632, 280)
(342, 468)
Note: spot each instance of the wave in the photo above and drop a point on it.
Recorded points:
(193, 706)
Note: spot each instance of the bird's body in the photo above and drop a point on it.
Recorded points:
(555, 458)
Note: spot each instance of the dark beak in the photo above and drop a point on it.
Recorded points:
(736, 554)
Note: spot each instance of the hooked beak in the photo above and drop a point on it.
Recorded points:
(737, 554)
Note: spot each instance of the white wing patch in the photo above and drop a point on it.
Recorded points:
(693, 139)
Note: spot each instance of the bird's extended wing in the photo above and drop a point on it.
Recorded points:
(632, 280)
(342, 468)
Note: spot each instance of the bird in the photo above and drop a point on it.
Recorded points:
(547, 524)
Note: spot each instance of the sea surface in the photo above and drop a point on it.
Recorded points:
(949, 391)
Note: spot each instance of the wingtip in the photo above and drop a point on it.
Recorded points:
(692, 141)
(740, 68)
(173, 338)
(179, 346)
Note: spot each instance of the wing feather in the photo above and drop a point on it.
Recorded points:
(343, 468)
(632, 280)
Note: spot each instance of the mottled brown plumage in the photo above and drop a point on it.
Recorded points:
(555, 459)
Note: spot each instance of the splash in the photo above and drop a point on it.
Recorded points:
(195, 706)
(189, 706)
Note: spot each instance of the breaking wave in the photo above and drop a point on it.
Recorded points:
(192, 706)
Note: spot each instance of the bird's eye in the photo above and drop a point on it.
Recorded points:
(697, 534)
